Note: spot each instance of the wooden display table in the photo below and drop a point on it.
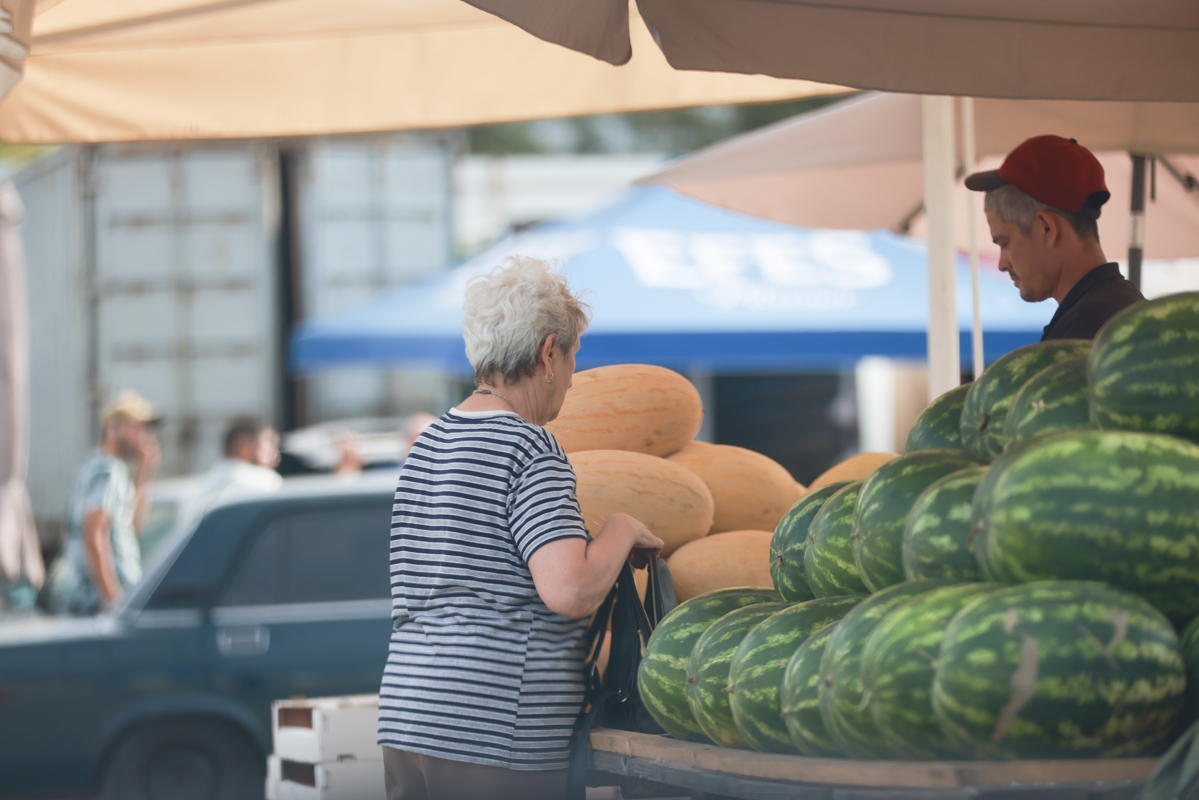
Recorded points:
(761, 776)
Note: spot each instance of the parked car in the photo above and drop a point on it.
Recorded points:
(169, 696)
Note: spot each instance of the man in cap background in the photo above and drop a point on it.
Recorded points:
(107, 508)
(1041, 205)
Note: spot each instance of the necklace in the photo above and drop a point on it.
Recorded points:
(497, 394)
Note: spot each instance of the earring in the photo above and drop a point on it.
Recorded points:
(550, 379)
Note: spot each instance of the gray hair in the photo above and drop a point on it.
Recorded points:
(512, 311)
(1013, 206)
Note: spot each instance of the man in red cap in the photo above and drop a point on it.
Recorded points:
(1042, 204)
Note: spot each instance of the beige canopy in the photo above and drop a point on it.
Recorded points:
(858, 165)
(1067, 49)
(124, 70)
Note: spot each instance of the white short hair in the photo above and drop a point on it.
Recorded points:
(512, 311)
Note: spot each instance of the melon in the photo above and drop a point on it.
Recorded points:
(751, 491)
(722, 561)
(634, 407)
(668, 499)
(854, 468)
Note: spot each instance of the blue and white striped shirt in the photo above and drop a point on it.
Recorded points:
(479, 669)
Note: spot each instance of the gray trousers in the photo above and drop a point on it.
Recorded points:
(409, 776)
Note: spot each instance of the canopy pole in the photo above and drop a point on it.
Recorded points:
(1136, 221)
(969, 159)
(944, 357)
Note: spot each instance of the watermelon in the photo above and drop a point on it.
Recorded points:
(936, 534)
(898, 666)
(708, 671)
(791, 539)
(828, 559)
(1054, 399)
(1189, 644)
(1059, 669)
(799, 697)
(760, 661)
(840, 686)
(939, 426)
(662, 676)
(1144, 368)
(883, 505)
(1114, 506)
(987, 403)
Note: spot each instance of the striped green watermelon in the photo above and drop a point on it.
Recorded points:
(1189, 644)
(883, 505)
(1144, 368)
(939, 426)
(708, 671)
(845, 716)
(791, 539)
(1059, 669)
(980, 507)
(1054, 399)
(662, 676)
(898, 666)
(760, 661)
(936, 535)
(799, 697)
(828, 559)
(1115, 506)
(987, 403)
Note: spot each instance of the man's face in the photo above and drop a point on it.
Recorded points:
(132, 438)
(266, 449)
(1024, 257)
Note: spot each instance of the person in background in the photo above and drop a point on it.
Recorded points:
(493, 574)
(101, 559)
(251, 455)
(414, 426)
(1042, 205)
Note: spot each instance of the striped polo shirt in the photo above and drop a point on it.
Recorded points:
(479, 669)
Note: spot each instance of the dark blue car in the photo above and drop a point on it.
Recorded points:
(169, 696)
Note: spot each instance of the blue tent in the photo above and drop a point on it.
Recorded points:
(680, 283)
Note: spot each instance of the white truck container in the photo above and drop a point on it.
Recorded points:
(161, 268)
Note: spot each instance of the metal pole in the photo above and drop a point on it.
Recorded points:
(944, 358)
(968, 161)
(1136, 222)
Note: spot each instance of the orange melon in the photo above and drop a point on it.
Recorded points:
(751, 491)
(633, 407)
(854, 468)
(721, 561)
(670, 500)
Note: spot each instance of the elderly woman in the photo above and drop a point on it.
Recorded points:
(493, 574)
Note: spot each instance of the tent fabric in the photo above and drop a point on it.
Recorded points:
(132, 70)
(16, 27)
(683, 284)
(1069, 50)
(858, 165)
(20, 553)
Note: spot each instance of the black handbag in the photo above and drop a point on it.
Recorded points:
(612, 699)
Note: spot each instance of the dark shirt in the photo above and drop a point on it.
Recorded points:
(1092, 301)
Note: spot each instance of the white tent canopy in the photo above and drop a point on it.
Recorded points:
(1068, 49)
(858, 165)
(132, 70)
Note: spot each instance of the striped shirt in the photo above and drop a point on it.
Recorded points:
(479, 669)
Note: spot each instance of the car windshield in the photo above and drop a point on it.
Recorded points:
(160, 521)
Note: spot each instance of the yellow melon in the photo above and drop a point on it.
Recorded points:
(670, 500)
(632, 407)
(721, 561)
(854, 468)
(751, 491)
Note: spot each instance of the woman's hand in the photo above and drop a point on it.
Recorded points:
(573, 576)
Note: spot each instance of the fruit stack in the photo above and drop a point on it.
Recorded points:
(1010, 587)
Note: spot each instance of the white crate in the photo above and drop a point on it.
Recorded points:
(338, 780)
(326, 730)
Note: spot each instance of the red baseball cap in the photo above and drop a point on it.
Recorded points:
(1056, 171)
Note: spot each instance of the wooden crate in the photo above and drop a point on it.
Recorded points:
(763, 776)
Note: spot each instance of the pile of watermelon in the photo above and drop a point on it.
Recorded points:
(1014, 586)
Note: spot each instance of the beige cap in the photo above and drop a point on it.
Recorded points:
(131, 406)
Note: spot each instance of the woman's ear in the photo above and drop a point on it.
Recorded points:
(546, 355)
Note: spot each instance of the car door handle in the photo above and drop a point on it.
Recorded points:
(243, 640)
